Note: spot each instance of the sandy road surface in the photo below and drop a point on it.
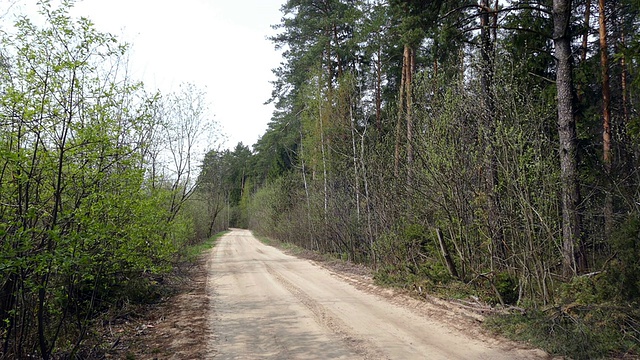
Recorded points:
(268, 305)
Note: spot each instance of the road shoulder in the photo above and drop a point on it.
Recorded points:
(175, 328)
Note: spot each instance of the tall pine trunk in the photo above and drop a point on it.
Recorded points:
(402, 98)
(405, 112)
(571, 222)
(410, 69)
(585, 36)
(606, 119)
(379, 91)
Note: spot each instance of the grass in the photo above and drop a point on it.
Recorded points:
(291, 248)
(266, 240)
(190, 253)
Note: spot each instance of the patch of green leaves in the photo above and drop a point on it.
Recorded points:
(580, 332)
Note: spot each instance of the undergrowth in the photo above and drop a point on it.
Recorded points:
(580, 332)
(139, 294)
(190, 253)
(289, 247)
(586, 322)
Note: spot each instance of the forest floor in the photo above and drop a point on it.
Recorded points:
(244, 299)
(174, 328)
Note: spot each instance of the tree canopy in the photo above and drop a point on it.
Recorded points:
(459, 141)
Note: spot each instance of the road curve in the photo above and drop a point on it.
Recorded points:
(269, 305)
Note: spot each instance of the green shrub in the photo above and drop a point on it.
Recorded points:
(577, 331)
(622, 278)
(507, 286)
(409, 257)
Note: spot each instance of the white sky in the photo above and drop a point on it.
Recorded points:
(218, 45)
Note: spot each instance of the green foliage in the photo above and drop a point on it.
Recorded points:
(409, 257)
(507, 287)
(274, 212)
(277, 148)
(263, 210)
(485, 169)
(192, 252)
(580, 332)
(533, 49)
(593, 319)
(618, 282)
(83, 228)
(623, 272)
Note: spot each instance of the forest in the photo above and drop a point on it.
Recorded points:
(481, 149)
(466, 148)
(97, 184)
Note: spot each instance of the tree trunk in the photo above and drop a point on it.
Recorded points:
(584, 51)
(487, 131)
(214, 216)
(447, 257)
(606, 119)
(379, 91)
(623, 83)
(405, 111)
(324, 161)
(411, 58)
(571, 222)
(401, 109)
(585, 36)
(367, 197)
(356, 177)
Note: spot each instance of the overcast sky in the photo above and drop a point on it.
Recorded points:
(219, 45)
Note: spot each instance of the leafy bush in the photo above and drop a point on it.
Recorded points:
(623, 273)
(83, 230)
(580, 332)
(507, 286)
(409, 257)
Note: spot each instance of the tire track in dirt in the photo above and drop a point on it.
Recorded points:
(325, 318)
(254, 316)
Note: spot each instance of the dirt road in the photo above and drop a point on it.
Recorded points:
(268, 305)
